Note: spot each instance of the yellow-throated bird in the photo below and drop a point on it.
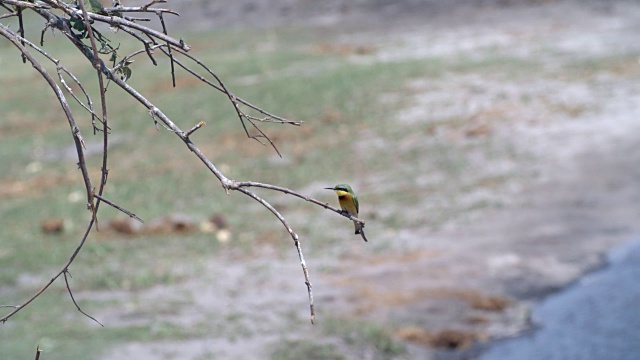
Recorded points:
(349, 204)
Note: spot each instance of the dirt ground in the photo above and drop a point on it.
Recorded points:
(477, 281)
(472, 280)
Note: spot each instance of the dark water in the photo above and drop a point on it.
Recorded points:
(596, 318)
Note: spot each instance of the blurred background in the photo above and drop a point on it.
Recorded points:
(493, 146)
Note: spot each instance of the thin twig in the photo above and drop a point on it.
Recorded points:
(148, 48)
(25, 4)
(54, 278)
(123, 9)
(296, 241)
(66, 280)
(8, 15)
(144, 8)
(89, 105)
(173, 70)
(116, 206)
(14, 38)
(220, 87)
(60, 69)
(241, 184)
(113, 20)
(103, 101)
(234, 100)
(193, 129)
(21, 31)
(77, 136)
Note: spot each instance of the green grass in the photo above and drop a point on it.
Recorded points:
(63, 333)
(364, 334)
(304, 349)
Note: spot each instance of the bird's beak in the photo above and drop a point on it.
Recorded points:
(329, 188)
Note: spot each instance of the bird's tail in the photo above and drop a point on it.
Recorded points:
(359, 230)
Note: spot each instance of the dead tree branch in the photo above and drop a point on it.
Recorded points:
(76, 23)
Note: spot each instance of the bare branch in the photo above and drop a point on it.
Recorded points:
(66, 281)
(173, 70)
(193, 129)
(89, 106)
(176, 50)
(25, 4)
(21, 31)
(123, 9)
(234, 100)
(11, 36)
(117, 207)
(103, 101)
(54, 278)
(241, 184)
(77, 137)
(296, 241)
(220, 87)
(149, 46)
(113, 21)
(62, 69)
(13, 13)
(144, 8)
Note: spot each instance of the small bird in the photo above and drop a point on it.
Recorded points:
(349, 204)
